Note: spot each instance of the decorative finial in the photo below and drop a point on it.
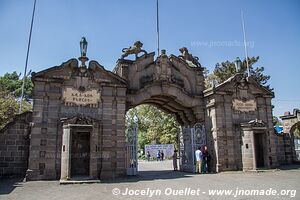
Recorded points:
(83, 50)
(237, 63)
(83, 46)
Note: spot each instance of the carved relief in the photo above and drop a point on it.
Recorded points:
(163, 68)
(83, 120)
(146, 80)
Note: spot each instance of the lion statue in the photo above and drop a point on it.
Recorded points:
(191, 60)
(135, 49)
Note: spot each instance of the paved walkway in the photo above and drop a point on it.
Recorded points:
(162, 183)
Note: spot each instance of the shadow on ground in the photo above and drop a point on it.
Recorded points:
(8, 185)
(290, 166)
(152, 175)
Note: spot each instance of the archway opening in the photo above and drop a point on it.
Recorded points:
(158, 132)
(295, 134)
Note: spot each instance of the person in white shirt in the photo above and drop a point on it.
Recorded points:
(198, 155)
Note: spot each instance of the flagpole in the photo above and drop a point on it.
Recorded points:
(245, 45)
(27, 55)
(157, 27)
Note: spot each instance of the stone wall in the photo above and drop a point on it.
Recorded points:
(14, 146)
(285, 149)
(290, 122)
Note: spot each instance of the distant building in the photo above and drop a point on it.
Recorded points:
(291, 124)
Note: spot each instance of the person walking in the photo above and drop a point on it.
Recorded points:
(206, 159)
(198, 155)
(175, 160)
(158, 155)
(148, 156)
(162, 155)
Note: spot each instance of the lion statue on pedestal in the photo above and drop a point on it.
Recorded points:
(135, 49)
(192, 61)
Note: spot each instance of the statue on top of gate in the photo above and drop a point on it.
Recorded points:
(192, 61)
(135, 49)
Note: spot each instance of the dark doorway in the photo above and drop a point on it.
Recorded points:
(80, 159)
(259, 150)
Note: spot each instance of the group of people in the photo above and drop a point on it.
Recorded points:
(159, 156)
(202, 160)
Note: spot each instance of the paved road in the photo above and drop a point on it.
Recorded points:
(161, 183)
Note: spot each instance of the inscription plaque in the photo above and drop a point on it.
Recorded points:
(71, 95)
(244, 106)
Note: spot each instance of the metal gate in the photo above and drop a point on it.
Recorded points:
(190, 139)
(132, 150)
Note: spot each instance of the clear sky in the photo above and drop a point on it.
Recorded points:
(211, 30)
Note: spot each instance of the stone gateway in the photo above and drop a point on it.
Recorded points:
(77, 127)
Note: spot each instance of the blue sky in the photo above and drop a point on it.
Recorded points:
(211, 30)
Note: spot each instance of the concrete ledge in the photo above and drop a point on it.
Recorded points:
(65, 182)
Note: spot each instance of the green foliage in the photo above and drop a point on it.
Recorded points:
(11, 84)
(10, 92)
(297, 131)
(9, 107)
(155, 126)
(227, 69)
(277, 121)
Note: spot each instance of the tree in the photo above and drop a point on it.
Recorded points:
(9, 107)
(227, 69)
(297, 131)
(11, 84)
(277, 121)
(10, 92)
(155, 126)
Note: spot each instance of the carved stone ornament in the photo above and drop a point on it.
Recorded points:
(82, 120)
(135, 49)
(243, 84)
(257, 123)
(191, 60)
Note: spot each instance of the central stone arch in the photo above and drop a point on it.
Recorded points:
(167, 82)
(173, 84)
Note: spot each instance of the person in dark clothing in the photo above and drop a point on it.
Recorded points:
(175, 160)
(162, 156)
(158, 155)
(206, 160)
(148, 155)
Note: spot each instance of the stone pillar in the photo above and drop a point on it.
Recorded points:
(253, 150)
(66, 153)
(108, 143)
(121, 140)
(248, 151)
(94, 150)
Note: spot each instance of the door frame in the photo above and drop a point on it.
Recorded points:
(87, 132)
(67, 147)
(249, 130)
(261, 134)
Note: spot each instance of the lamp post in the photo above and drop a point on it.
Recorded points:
(83, 58)
(237, 63)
